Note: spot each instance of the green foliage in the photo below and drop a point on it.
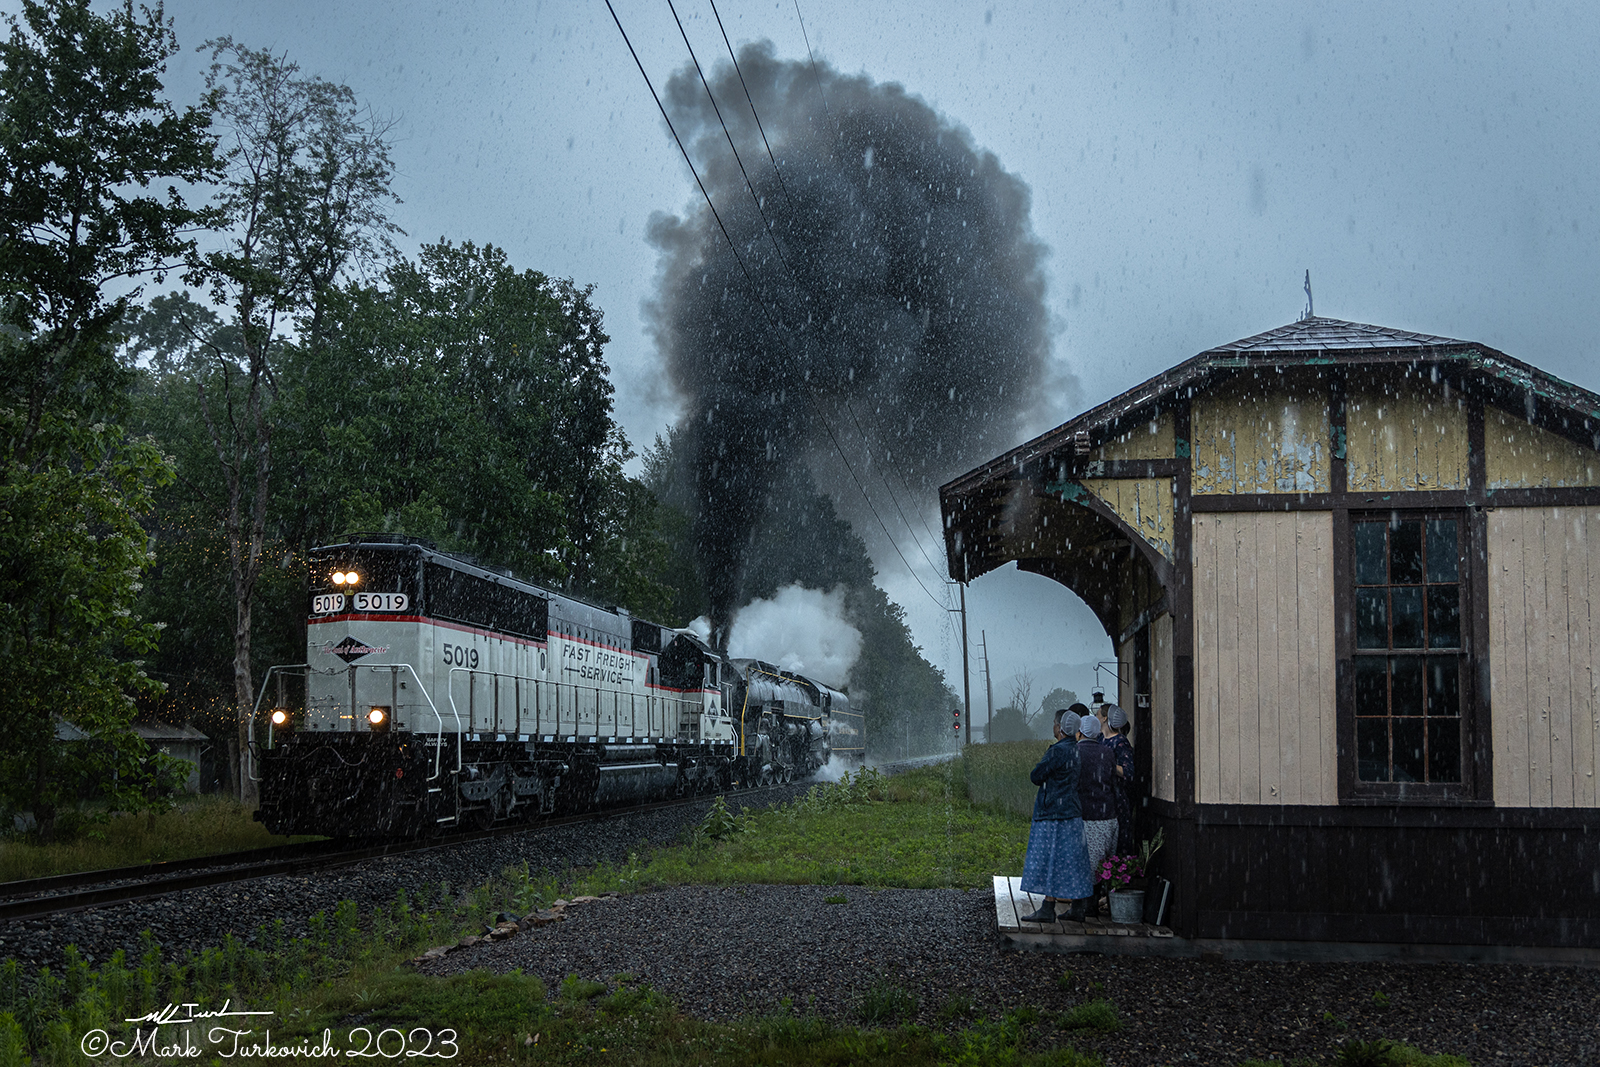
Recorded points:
(1097, 1014)
(1380, 999)
(1008, 725)
(1065, 982)
(837, 898)
(577, 989)
(884, 1002)
(84, 136)
(720, 824)
(71, 552)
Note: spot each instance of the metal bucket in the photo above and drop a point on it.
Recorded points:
(1127, 905)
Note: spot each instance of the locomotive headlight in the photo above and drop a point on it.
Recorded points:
(376, 716)
(280, 717)
(338, 577)
(351, 577)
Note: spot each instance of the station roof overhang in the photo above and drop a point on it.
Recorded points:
(1025, 506)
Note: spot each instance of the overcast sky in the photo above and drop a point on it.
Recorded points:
(1435, 166)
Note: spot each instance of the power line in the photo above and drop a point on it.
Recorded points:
(662, 108)
(781, 183)
(734, 148)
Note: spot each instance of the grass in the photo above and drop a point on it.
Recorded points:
(1091, 1015)
(197, 826)
(997, 776)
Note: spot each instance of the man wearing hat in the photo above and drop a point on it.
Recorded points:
(1116, 739)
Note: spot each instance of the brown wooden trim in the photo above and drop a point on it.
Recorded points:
(1143, 619)
(1403, 929)
(1479, 724)
(1344, 713)
(1578, 496)
(1159, 564)
(1338, 443)
(1376, 815)
(1182, 601)
(1571, 496)
(1124, 468)
(1477, 463)
(1554, 418)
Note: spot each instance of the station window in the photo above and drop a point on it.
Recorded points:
(1411, 656)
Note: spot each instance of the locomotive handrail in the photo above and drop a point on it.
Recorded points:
(250, 728)
(438, 742)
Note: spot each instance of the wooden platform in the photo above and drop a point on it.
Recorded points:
(1096, 934)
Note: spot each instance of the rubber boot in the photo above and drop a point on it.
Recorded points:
(1045, 914)
(1075, 912)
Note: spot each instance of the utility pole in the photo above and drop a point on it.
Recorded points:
(988, 683)
(966, 681)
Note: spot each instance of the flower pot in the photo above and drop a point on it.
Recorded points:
(1127, 905)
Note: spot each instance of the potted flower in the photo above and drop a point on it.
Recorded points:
(1124, 878)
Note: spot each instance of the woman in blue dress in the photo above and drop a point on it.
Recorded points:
(1057, 865)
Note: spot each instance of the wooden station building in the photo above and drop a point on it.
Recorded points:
(1352, 575)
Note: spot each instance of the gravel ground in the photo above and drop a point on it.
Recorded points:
(721, 952)
(184, 922)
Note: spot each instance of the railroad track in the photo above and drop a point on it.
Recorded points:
(59, 894)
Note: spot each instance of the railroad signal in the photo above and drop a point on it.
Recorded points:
(957, 712)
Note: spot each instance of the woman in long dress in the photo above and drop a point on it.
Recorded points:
(1057, 865)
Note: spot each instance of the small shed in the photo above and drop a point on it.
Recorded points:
(180, 742)
(1351, 575)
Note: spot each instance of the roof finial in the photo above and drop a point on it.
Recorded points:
(1308, 313)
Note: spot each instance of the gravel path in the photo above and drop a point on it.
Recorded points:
(721, 952)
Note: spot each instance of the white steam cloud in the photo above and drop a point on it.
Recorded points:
(801, 630)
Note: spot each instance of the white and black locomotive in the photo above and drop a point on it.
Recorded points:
(440, 694)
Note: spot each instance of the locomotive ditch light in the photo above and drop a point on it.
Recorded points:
(377, 716)
(280, 717)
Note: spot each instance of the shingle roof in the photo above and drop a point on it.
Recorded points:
(1316, 334)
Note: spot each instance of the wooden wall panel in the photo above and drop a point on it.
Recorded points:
(1518, 455)
(1153, 440)
(1404, 433)
(1164, 782)
(1264, 663)
(1262, 436)
(1146, 504)
(1544, 573)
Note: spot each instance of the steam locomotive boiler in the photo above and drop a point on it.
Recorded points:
(439, 694)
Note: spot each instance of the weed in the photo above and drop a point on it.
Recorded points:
(1064, 983)
(1091, 1015)
(1380, 998)
(576, 990)
(956, 1006)
(884, 1002)
(837, 898)
(720, 823)
(1330, 1019)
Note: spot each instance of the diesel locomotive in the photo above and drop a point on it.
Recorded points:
(440, 694)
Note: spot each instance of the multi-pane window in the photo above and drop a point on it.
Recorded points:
(1410, 654)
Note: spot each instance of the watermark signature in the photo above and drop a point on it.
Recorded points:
(223, 1032)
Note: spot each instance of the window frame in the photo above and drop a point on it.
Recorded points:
(1475, 783)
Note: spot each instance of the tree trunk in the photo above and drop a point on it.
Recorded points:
(245, 696)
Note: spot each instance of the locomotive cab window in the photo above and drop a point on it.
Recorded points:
(1411, 657)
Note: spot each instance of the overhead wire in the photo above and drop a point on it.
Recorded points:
(781, 183)
(726, 133)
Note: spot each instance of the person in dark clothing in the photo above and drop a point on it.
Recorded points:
(1116, 739)
(1096, 797)
(1056, 866)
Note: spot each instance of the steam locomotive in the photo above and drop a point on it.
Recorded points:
(439, 694)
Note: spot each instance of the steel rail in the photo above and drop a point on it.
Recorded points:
(225, 869)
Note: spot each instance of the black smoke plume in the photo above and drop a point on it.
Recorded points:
(888, 292)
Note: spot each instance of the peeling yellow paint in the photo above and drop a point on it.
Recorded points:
(1404, 433)
(1266, 434)
(1146, 504)
(1149, 440)
(1519, 455)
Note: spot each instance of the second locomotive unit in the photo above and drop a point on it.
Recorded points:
(441, 694)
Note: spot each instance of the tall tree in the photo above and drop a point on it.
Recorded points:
(85, 140)
(305, 197)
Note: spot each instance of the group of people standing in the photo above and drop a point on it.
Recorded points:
(1084, 810)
